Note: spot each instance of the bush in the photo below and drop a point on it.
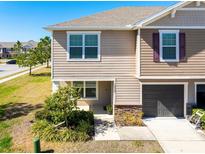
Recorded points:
(131, 119)
(109, 108)
(85, 127)
(81, 126)
(48, 132)
(51, 116)
(76, 116)
(202, 119)
(61, 121)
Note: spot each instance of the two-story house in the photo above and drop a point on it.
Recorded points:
(137, 58)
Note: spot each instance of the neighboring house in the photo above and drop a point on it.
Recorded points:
(6, 48)
(137, 58)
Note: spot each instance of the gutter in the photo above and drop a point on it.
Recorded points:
(51, 28)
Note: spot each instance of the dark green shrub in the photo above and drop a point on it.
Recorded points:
(85, 127)
(76, 116)
(51, 116)
(42, 114)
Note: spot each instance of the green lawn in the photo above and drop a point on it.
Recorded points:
(19, 97)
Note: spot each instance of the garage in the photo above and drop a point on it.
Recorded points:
(163, 100)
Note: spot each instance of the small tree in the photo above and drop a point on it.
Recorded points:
(63, 102)
(44, 50)
(27, 59)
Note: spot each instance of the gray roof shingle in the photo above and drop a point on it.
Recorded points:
(120, 17)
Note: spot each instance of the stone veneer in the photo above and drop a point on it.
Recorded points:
(121, 110)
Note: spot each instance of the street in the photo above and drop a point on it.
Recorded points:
(9, 69)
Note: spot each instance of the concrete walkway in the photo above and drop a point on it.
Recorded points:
(176, 135)
(20, 74)
(133, 133)
(105, 129)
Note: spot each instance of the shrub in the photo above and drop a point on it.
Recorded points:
(109, 108)
(61, 108)
(76, 116)
(61, 103)
(131, 119)
(51, 116)
(48, 132)
(202, 119)
(85, 127)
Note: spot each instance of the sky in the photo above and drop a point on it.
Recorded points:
(24, 21)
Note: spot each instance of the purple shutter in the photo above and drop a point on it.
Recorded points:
(155, 39)
(182, 46)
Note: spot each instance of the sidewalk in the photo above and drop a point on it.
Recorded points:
(105, 129)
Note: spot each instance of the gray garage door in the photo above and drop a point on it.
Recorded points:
(163, 100)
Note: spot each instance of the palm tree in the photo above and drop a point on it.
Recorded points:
(18, 47)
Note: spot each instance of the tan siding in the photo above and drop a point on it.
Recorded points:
(195, 53)
(104, 93)
(182, 18)
(193, 5)
(117, 61)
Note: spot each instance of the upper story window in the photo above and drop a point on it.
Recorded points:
(83, 46)
(169, 45)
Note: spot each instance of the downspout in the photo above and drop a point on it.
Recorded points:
(138, 52)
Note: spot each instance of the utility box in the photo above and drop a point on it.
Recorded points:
(37, 145)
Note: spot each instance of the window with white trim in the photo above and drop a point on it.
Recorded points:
(88, 89)
(169, 45)
(83, 46)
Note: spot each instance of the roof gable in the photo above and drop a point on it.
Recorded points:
(167, 17)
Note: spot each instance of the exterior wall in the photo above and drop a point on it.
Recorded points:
(193, 5)
(182, 18)
(104, 94)
(117, 62)
(192, 66)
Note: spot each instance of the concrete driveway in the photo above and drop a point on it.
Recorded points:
(176, 135)
(9, 69)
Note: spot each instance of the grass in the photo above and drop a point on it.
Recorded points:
(19, 97)
(104, 147)
(26, 89)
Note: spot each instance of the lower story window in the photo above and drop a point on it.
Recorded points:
(88, 89)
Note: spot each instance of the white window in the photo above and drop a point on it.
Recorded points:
(83, 46)
(169, 45)
(88, 89)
